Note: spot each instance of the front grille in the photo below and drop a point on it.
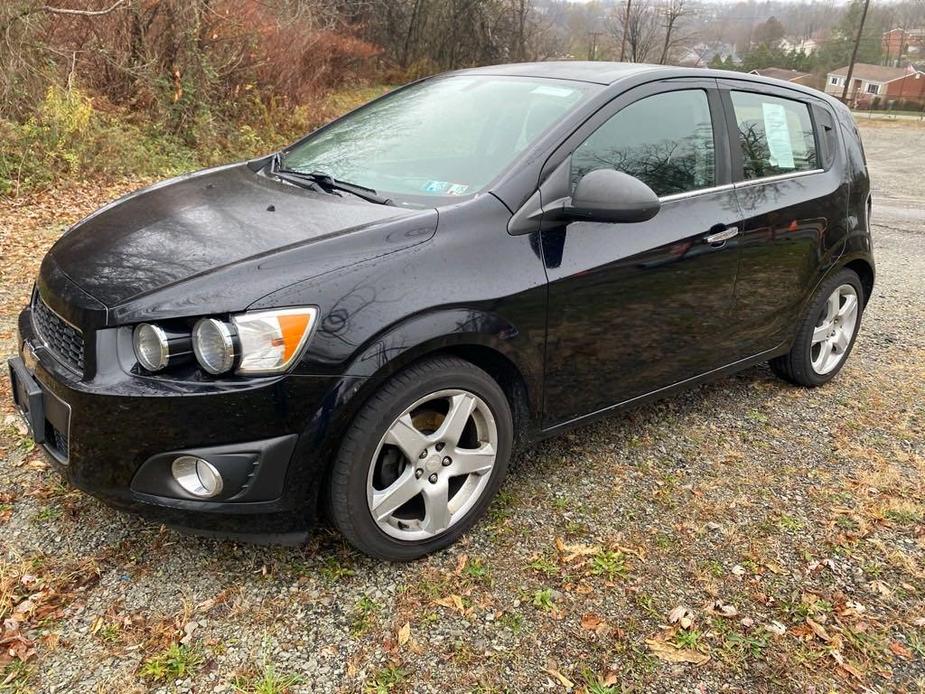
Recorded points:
(63, 340)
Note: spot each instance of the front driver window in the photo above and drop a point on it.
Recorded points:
(665, 140)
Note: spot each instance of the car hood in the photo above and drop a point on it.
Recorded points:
(219, 240)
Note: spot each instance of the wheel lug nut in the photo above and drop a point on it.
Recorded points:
(418, 473)
(433, 478)
(439, 446)
(447, 461)
(423, 454)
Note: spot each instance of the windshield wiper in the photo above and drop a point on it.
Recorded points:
(325, 182)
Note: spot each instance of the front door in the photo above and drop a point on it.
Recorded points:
(638, 307)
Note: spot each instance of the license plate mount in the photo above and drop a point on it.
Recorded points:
(28, 398)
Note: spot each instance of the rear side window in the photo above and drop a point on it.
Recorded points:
(664, 140)
(776, 135)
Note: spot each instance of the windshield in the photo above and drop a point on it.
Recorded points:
(443, 137)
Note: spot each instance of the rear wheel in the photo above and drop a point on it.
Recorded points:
(826, 334)
(422, 460)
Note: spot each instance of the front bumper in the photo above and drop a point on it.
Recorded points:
(114, 433)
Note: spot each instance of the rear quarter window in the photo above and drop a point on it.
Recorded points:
(775, 134)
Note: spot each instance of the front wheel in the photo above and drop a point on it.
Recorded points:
(826, 333)
(422, 460)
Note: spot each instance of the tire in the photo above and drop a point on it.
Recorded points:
(378, 464)
(805, 363)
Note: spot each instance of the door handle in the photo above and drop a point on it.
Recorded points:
(720, 237)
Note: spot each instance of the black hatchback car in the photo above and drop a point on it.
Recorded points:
(368, 322)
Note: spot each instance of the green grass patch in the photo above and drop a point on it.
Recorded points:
(177, 662)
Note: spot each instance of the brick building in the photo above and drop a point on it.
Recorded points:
(900, 43)
(878, 85)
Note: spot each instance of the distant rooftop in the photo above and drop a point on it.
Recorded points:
(874, 73)
(780, 73)
(910, 33)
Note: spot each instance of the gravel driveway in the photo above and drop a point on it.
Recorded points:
(747, 535)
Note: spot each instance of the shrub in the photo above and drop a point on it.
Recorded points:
(71, 135)
(67, 136)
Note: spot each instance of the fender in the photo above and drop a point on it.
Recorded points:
(856, 248)
(448, 330)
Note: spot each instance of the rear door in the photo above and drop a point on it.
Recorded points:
(637, 307)
(792, 188)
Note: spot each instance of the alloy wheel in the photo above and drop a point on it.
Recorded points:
(834, 329)
(432, 465)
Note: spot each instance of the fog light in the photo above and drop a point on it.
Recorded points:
(197, 476)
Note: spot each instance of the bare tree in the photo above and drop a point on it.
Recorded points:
(639, 27)
(674, 11)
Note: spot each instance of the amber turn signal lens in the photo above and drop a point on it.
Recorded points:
(271, 340)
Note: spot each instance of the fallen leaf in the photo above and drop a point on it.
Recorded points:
(818, 630)
(774, 568)
(681, 615)
(900, 650)
(738, 570)
(717, 607)
(461, 563)
(880, 588)
(563, 680)
(188, 630)
(96, 626)
(592, 622)
(572, 552)
(24, 607)
(852, 609)
(776, 628)
(454, 602)
(847, 667)
(671, 654)
(404, 634)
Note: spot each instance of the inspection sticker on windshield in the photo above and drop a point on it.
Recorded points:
(435, 186)
(553, 91)
(457, 189)
(778, 135)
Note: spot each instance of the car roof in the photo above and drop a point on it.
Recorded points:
(607, 73)
(578, 70)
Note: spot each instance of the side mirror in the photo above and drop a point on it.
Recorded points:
(606, 195)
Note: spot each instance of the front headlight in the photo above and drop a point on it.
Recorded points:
(213, 345)
(157, 347)
(152, 350)
(270, 340)
(262, 342)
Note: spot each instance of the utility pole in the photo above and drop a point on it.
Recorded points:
(854, 54)
(626, 24)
